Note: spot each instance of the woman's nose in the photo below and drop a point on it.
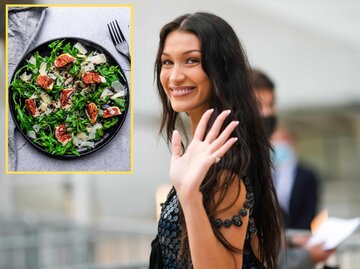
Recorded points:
(177, 75)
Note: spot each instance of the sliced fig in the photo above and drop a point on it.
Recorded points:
(65, 97)
(63, 60)
(31, 106)
(45, 82)
(92, 77)
(91, 112)
(111, 112)
(62, 135)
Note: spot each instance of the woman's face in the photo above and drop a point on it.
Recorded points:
(185, 83)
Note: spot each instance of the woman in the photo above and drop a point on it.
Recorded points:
(222, 211)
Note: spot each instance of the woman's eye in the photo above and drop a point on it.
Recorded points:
(166, 62)
(192, 60)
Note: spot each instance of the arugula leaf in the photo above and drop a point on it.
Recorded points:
(75, 68)
(120, 103)
(111, 73)
(69, 49)
(111, 122)
(56, 46)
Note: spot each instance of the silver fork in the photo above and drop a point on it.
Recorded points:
(118, 39)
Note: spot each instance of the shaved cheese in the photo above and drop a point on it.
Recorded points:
(32, 60)
(42, 70)
(36, 128)
(82, 144)
(86, 68)
(52, 76)
(106, 92)
(80, 48)
(56, 72)
(25, 77)
(56, 104)
(83, 136)
(79, 83)
(34, 96)
(97, 59)
(68, 81)
(63, 73)
(117, 86)
(85, 91)
(45, 97)
(43, 107)
(118, 94)
(77, 141)
(92, 132)
(31, 134)
(88, 144)
(49, 110)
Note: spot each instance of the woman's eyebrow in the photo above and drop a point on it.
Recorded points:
(191, 51)
(185, 52)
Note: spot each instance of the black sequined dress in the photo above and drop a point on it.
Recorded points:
(166, 246)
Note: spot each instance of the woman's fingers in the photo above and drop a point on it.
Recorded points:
(200, 129)
(223, 137)
(176, 145)
(225, 147)
(215, 129)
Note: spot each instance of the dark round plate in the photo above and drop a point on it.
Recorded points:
(110, 133)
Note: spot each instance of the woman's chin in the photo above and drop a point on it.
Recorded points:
(179, 108)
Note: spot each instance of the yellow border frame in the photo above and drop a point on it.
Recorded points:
(131, 171)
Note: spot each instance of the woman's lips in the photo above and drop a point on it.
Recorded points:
(181, 91)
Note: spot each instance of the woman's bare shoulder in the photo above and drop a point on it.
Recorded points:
(230, 195)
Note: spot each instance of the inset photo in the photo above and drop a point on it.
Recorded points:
(69, 89)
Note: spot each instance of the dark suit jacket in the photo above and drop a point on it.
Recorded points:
(303, 199)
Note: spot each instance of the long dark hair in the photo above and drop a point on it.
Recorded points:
(226, 65)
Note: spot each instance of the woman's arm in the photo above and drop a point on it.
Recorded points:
(206, 250)
(187, 172)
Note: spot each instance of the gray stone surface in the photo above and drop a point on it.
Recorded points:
(89, 23)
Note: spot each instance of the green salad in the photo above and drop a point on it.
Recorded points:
(67, 100)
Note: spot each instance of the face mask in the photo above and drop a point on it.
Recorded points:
(269, 123)
(283, 153)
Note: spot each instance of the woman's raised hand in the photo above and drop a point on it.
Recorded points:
(187, 171)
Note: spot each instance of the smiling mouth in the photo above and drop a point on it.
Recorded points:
(183, 91)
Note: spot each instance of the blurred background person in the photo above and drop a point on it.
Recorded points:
(296, 184)
(300, 257)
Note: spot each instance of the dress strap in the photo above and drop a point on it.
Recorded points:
(247, 206)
